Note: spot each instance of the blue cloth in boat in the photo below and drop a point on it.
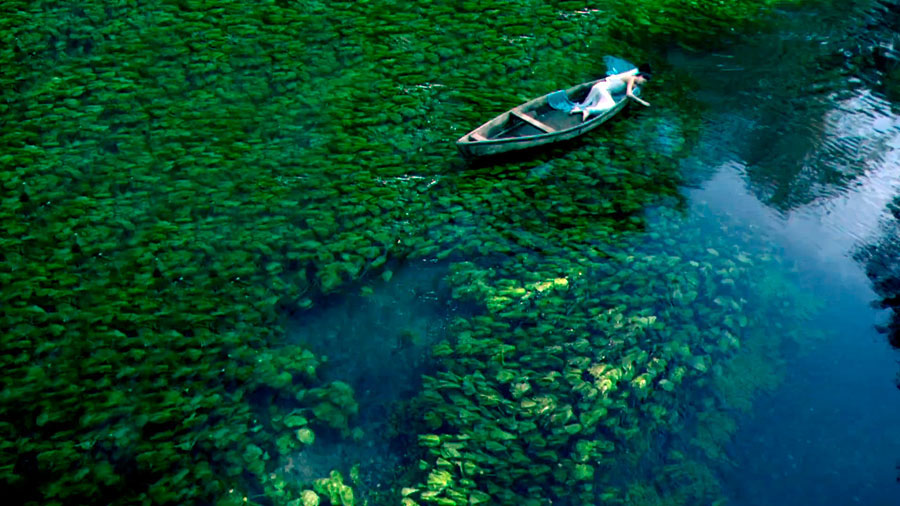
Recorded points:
(560, 101)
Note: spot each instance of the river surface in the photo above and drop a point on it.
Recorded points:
(793, 145)
(826, 435)
(679, 307)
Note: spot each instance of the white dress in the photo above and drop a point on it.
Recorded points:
(600, 97)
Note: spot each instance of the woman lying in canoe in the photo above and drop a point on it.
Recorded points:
(600, 97)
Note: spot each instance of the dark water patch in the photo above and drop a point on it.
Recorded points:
(877, 56)
(377, 341)
(823, 437)
(882, 262)
(390, 322)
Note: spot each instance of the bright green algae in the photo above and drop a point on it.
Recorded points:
(178, 177)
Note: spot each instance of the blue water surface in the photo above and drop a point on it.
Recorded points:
(827, 435)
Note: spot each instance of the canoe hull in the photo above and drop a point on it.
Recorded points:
(533, 124)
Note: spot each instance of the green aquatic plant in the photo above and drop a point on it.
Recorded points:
(334, 489)
(554, 365)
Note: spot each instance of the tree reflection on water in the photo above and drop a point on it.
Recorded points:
(881, 71)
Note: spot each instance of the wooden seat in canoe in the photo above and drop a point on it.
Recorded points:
(477, 136)
(535, 122)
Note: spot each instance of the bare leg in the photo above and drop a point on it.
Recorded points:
(597, 96)
(605, 103)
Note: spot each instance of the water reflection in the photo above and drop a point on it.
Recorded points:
(802, 138)
(879, 50)
(880, 68)
(882, 261)
(787, 94)
(812, 125)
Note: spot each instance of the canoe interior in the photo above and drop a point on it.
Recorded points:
(510, 126)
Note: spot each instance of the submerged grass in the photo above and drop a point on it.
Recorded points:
(574, 382)
(177, 177)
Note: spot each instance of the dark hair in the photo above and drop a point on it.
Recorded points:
(644, 71)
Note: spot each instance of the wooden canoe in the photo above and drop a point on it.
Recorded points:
(534, 123)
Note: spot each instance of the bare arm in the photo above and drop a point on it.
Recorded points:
(628, 91)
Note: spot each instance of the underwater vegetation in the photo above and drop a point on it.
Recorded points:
(178, 177)
(579, 369)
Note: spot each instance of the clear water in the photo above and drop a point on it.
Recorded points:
(377, 342)
(808, 162)
(824, 436)
(187, 183)
(812, 160)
